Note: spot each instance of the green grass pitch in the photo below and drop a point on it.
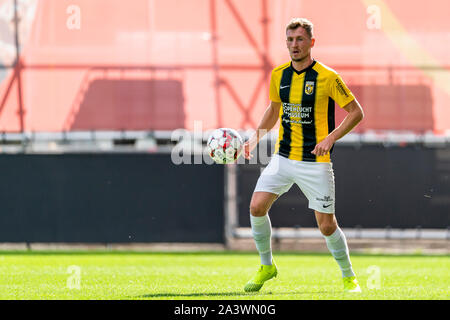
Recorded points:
(215, 275)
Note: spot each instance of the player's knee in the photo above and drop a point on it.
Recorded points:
(257, 210)
(327, 229)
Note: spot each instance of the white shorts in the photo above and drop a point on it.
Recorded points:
(315, 180)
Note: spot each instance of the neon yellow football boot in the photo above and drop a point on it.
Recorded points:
(264, 273)
(351, 284)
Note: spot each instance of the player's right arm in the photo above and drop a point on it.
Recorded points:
(268, 121)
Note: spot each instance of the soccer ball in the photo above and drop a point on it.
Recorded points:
(224, 145)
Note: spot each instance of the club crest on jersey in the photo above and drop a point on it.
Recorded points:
(309, 87)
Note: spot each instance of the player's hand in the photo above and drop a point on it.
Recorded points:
(248, 146)
(323, 147)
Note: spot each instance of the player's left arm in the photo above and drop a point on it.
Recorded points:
(354, 116)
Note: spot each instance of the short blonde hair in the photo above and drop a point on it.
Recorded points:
(301, 22)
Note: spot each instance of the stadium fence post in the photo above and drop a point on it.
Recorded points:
(230, 205)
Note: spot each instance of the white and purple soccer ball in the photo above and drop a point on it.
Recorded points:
(224, 145)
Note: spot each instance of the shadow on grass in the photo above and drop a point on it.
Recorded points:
(219, 294)
(194, 294)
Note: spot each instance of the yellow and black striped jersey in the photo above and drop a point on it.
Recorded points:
(307, 108)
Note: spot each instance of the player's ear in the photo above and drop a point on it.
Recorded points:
(313, 40)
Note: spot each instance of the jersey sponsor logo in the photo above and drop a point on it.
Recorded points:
(283, 87)
(340, 88)
(309, 87)
(295, 113)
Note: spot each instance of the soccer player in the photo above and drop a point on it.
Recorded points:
(302, 94)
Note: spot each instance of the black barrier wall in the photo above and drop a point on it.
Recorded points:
(109, 198)
(376, 187)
